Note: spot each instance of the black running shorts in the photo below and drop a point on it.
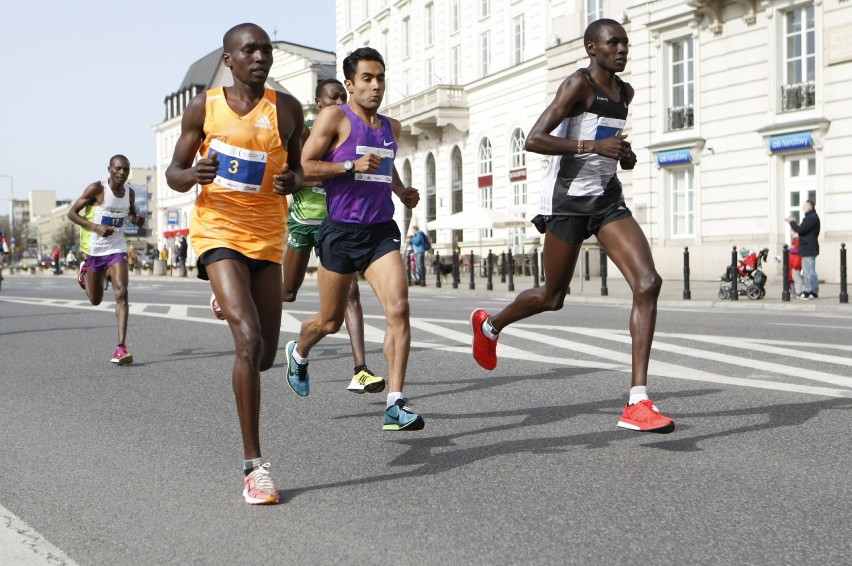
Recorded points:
(577, 229)
(216, 254)
(347, 248)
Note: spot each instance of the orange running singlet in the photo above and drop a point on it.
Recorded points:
(238, 210)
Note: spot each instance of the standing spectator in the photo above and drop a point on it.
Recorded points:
(164, 255)
(797, 281)
(181, 255)
(56, 256)
(420, 243)
(808, 232)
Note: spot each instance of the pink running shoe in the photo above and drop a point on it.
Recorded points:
(121, 356)
(217, 310)
(259, 489)
(81, 275)
(484, 348)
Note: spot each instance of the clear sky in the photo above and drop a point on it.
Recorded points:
(82, 81)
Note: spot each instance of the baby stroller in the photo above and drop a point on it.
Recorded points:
(751, 280)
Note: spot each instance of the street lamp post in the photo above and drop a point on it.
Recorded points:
(11, 205)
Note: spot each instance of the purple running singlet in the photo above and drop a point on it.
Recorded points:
(362, 198)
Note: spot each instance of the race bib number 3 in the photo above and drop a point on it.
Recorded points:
(385, 172)
(239, 169)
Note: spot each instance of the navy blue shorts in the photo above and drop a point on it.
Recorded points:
(216, 254)
(347, 248)
(577, 229)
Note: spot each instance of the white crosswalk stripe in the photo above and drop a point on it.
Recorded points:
(589, 348)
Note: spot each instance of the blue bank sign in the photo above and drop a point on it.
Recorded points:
(674, 157)
(799, 140)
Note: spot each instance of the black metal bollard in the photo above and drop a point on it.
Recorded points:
(541, 265)
(586, 253)
(502, 267)
(511, 269)
(785, 269)
(456, 277)
(844, 296)
(535, 269)
(472, 284)
(687, 294)
(604, 290)
(734, 291)
(489, 265)
(438, 270)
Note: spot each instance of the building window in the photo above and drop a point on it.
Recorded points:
(455, 63)
(406, 182)
(518, 174)
(518, 39)
(485, 53)
(519, 194)
(428, 24)
(431, 199)
(429, 69)
(799, 88)
(383, 44)
(485, 167)
(683, 202)
(594, 10)
(800, 181)
(484, 8)
(406, 37)
(457, 200)
(485, 181)
(486, 200)
(406, 82)
(365, 10)
(519, 156)
(455, 16)
(681, 109)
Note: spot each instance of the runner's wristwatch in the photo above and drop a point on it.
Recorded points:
(348, 167)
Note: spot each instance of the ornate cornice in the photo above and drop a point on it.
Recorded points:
(712, 9)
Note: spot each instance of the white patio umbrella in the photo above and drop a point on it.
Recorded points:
(479, 218)
(476, 217)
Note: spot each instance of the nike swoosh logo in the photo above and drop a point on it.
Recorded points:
(387, 143)
(395, 240)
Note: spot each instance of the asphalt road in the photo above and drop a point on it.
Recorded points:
(141, 464)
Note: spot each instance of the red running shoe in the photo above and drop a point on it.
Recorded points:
(217, 310)
(484, 348)
(645, 417)
(81, 275)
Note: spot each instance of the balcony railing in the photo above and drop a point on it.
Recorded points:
(680, 117)
(797, 96)
(437, 106)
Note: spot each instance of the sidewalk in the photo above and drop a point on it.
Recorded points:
(703, 293)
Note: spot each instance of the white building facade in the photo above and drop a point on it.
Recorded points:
(741, 114)
(296, 70)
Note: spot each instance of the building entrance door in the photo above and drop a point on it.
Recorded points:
(800, 181)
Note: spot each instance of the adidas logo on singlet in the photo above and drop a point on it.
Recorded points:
(263, 123)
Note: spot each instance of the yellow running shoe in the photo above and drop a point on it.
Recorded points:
(365, 382)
